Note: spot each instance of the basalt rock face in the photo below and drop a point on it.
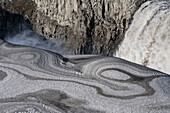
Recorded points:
(14, 17)
(11, 23)
(86, 26)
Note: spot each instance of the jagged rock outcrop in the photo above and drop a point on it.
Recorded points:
(86, 26)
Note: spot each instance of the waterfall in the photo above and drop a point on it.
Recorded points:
(147, 40)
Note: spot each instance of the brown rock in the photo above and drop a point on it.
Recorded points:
(86, 26)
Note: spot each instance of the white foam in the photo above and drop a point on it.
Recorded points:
(147, 41)
(106, 84)
(115, 75)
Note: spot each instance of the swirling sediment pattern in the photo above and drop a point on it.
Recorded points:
(37, 81)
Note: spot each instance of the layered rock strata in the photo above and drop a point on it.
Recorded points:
(86, 26)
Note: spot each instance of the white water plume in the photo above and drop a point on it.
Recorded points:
(147, 41)
(30, 38)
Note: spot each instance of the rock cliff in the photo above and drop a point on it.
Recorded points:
(11, 23)
(87, 26)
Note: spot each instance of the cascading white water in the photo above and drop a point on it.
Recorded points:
(147, 41)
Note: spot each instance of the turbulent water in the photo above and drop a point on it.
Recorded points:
(38, 81)
(34, 80)
(147, 41)
(30, 38)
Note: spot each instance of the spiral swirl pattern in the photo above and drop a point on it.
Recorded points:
(37, 81)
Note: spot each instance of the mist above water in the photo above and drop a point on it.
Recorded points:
(30, 38)
(147, 41)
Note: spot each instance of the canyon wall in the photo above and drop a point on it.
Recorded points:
(87, 27)
(11, 23)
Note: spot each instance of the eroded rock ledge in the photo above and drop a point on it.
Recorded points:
(87, 26)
